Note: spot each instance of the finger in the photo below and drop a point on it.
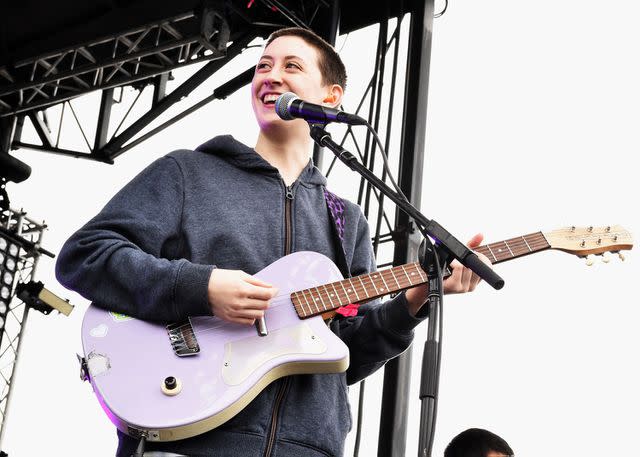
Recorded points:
(474, 281)
(484, 258)
(252, 303)
(248, 314)
(241, 320)
(476, 240)
(260, 293)
(256, 282)
(467, 275)
(455, 280)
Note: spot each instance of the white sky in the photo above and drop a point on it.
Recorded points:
(533, 125)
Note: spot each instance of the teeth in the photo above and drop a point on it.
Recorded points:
(270, 98)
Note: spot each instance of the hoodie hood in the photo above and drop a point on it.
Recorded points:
(242, 156)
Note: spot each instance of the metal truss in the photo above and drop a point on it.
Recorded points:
(388, 224)
(114, 61)
(139, 58)
(30, 232)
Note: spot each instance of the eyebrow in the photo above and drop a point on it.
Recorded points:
(286, 57)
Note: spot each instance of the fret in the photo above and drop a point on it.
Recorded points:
(500, 252)
(328, 297)
(375, 289)
(510, 251)
(405, 273)
(495, 259)
(304, 295)
(520, 244)
(383, 282)
(340, 300)
(363, 286)
(393, 275)
(418, 268)
(354, 289)
(317, 299)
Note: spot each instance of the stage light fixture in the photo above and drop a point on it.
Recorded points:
(36, 296)
(8, 264)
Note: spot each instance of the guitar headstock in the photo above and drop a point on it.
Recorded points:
(583, 241)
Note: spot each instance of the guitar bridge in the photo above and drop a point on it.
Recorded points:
(183, 339)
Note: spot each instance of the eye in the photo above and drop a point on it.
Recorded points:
(262, 66)
(293, 65)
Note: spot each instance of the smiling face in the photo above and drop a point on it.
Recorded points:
(288, 64)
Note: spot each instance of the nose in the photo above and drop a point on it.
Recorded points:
(274, 77)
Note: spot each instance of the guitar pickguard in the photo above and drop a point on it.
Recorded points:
(243, 357)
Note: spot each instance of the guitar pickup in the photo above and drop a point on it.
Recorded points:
(183, 339)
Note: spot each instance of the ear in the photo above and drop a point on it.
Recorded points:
(334, 96)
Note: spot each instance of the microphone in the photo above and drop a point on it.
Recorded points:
(289, 107)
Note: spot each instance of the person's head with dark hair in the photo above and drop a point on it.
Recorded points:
(331, 66)
(299, 61)
(477, 442)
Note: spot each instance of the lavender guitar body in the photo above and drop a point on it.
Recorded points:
(130, 362)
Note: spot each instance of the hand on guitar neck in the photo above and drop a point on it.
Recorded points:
(461, 280)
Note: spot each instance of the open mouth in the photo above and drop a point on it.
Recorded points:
(270, 99)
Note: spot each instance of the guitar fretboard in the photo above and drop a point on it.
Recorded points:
(514, 247)
(327, 297)
(318, 300)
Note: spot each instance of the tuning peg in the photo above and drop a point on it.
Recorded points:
(621, 255)
(606, 257)
(590, 260)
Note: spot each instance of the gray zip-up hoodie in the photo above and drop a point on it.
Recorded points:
(149, 254)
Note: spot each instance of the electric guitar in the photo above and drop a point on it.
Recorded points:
(176, 381)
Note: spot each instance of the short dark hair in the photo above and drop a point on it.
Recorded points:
(331, 66)
(476, 442)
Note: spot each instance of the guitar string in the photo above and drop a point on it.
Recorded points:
(274, 304)
(276, 300)
(281, 302)
(527, 243)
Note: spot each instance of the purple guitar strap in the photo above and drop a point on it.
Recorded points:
(336, 207)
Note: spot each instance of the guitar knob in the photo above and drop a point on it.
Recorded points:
(590, 260)
(171, 386)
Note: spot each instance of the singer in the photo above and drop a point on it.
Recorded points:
(184, 237)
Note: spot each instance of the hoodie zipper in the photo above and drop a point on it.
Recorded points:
(287, 219)
(284, 383)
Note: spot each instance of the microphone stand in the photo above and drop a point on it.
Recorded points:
(433, 260)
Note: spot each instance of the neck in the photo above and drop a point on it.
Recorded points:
(286, 150)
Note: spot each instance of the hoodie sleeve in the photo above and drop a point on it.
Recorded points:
(381, 330)
(126, 258)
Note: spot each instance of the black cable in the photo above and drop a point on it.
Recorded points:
(440, 301)
(386, 162)
(140, 449)
(356, 448)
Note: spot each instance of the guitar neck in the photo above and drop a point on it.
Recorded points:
(327, 297)
(514, 247)
(574, 240)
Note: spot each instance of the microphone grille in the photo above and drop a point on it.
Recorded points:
(282, 105)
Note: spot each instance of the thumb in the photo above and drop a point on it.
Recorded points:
(475, 241)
